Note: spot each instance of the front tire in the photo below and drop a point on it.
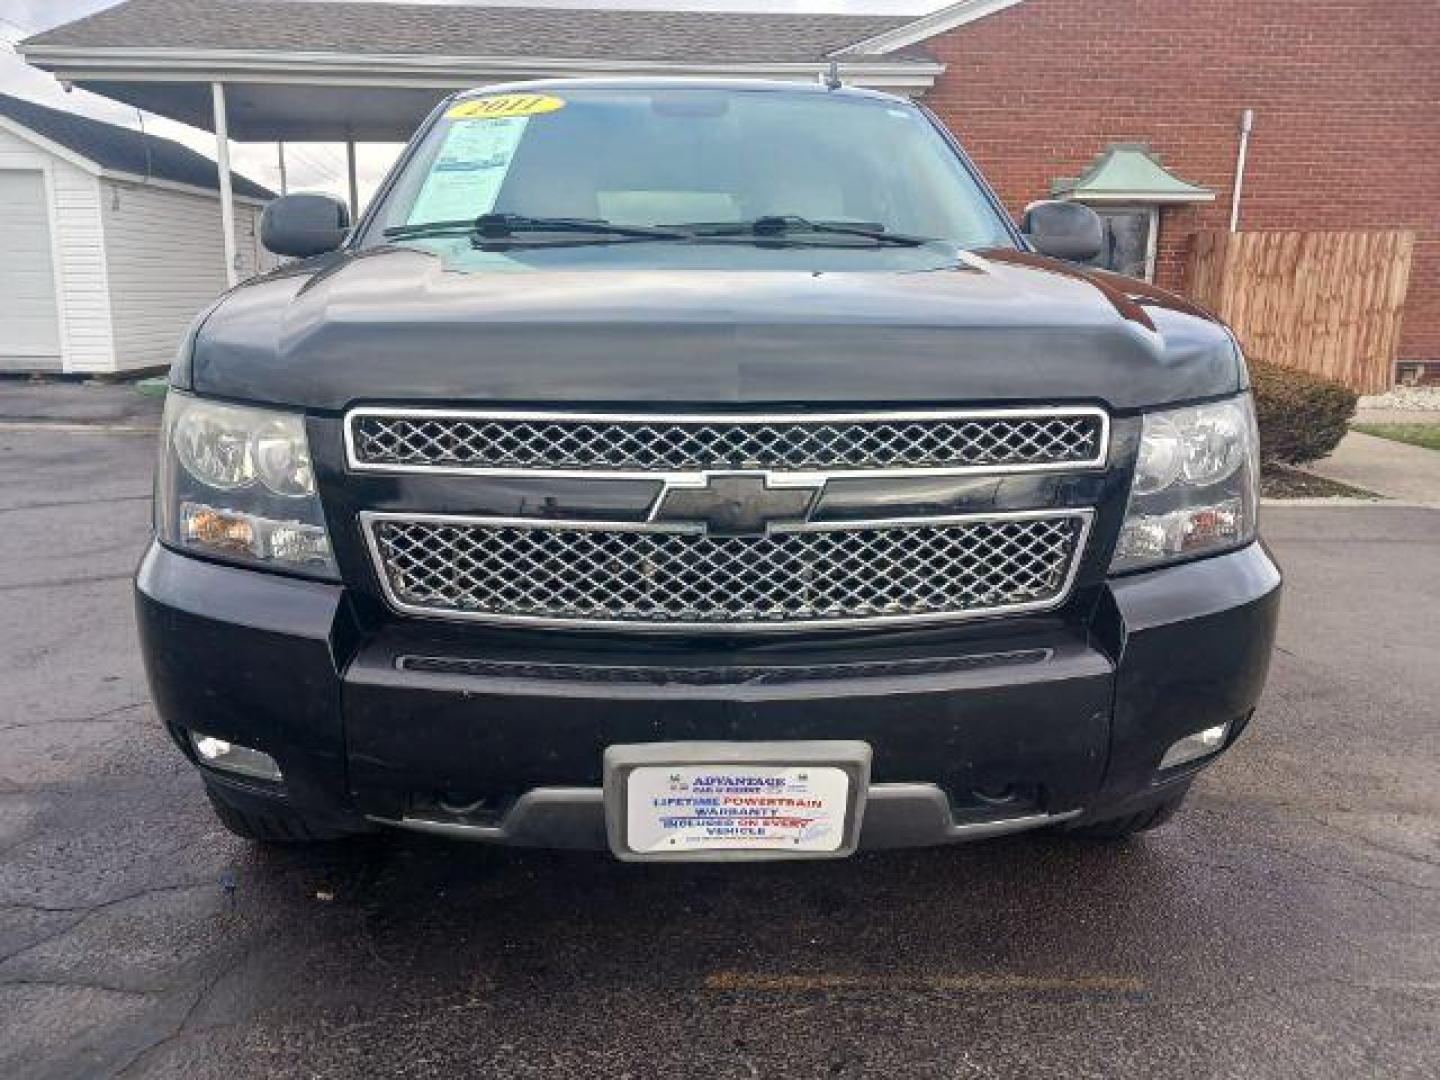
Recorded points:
(1112, 830)
(279, 825)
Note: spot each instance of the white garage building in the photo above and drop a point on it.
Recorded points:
(110, 241)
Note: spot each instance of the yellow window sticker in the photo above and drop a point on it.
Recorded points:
(490, 108)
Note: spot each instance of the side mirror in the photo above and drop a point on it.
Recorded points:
(1064, 230)
(304, 225)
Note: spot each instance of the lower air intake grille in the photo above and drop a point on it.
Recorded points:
(603, 574)
(717, 675)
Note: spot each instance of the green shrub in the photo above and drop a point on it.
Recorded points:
(1302, 417)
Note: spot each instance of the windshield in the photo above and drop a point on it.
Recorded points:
(726, 166)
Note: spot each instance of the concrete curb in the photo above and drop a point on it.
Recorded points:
(1340, 502)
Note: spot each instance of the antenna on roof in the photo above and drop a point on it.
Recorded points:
(831, 78)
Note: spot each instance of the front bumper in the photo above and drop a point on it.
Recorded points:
(432, 727)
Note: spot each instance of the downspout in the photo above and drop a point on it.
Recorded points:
(1247, 124)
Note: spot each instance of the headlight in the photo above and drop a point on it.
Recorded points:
(1195, 490)
(236, 483)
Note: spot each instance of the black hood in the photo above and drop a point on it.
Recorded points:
(407, 324)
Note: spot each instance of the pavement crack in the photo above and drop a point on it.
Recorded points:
(75, 984)
(104, 714)
(1370, 841)
(82, 579)
(1370, 882)
(154, 1045)
(78, 427)
(202, 994)
(58, 933)
(91, 909)
(60, 504)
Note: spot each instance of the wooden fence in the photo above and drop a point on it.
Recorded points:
(1325, 302)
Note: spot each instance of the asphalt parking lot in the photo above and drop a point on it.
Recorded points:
(1288, 924)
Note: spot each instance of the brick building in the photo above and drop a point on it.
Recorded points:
(1345, 93)
(1048, 95)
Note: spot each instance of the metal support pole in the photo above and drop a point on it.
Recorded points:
(354, 186)
(284, 180)
(227, 196)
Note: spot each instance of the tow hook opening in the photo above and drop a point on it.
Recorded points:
(459, 807)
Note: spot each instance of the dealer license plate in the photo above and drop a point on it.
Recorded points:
(694, 808)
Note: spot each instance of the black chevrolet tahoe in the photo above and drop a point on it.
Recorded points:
(701, 470)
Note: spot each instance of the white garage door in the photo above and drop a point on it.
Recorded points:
(29, 322)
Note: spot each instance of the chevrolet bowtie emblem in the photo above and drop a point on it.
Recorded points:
(735, 504)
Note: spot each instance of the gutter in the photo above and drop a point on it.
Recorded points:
(162, 184)
(76, 63)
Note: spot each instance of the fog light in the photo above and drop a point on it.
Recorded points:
(1199, 745)
(231, 757)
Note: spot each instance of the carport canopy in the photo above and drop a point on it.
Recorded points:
(330, 72)
(259, 70)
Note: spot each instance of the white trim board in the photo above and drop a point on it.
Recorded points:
(56, 268)
(925, 27)
(64, 153)
(1134, 198)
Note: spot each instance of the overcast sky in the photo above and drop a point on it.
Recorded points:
(314, 166)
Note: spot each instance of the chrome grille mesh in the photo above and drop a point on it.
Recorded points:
(465, 441)
(546, 572)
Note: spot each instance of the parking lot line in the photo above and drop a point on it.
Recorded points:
(968, 983)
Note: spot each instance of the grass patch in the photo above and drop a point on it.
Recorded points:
(1282, 482)
(1426, 435)
(153, 387)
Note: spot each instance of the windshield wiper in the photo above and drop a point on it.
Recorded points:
(491, 227)
(787, 226)
(429, 228)
(501, 226)
(498, 228)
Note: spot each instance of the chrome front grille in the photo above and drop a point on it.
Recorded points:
(678, 577)
(1012, 440)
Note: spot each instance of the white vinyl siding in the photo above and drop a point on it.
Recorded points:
(254, 259)
(84, 292)
(132, 263)
(29, 318)
(167, 262)
(78, 254)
